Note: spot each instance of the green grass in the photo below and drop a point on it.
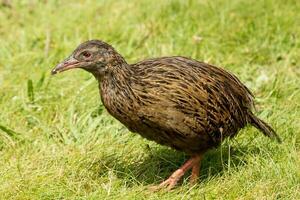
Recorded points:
(58, 142)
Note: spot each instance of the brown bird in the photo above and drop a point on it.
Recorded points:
(185, 104)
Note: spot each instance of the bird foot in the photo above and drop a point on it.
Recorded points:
(171, 182)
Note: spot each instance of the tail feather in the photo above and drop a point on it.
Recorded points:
(265, 128)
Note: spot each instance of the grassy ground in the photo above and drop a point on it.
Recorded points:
(58, 142)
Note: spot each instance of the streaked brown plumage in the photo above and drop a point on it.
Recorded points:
(188, 105)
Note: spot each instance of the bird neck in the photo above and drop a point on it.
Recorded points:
(114, 63)
(115, 87)
(117, 73)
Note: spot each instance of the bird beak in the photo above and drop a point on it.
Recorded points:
(69, 63)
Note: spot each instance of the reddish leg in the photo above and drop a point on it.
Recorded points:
(195, 171)
(193, 162)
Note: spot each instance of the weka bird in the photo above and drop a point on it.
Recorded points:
(185, 104)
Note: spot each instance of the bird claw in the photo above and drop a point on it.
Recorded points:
(168, 184)
(171, 182)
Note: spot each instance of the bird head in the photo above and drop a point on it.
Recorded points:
(93, 56)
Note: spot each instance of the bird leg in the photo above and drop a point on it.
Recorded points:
(195, 172)
(193, 162)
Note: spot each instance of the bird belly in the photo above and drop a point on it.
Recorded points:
(186, 143)
(171, 128)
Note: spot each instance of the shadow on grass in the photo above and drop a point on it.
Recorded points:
(160, 162)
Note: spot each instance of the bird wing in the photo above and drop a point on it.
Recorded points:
(189, 96)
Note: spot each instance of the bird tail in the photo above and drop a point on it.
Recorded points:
(265, 128)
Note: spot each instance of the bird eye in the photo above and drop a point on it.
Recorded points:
(86, 54)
